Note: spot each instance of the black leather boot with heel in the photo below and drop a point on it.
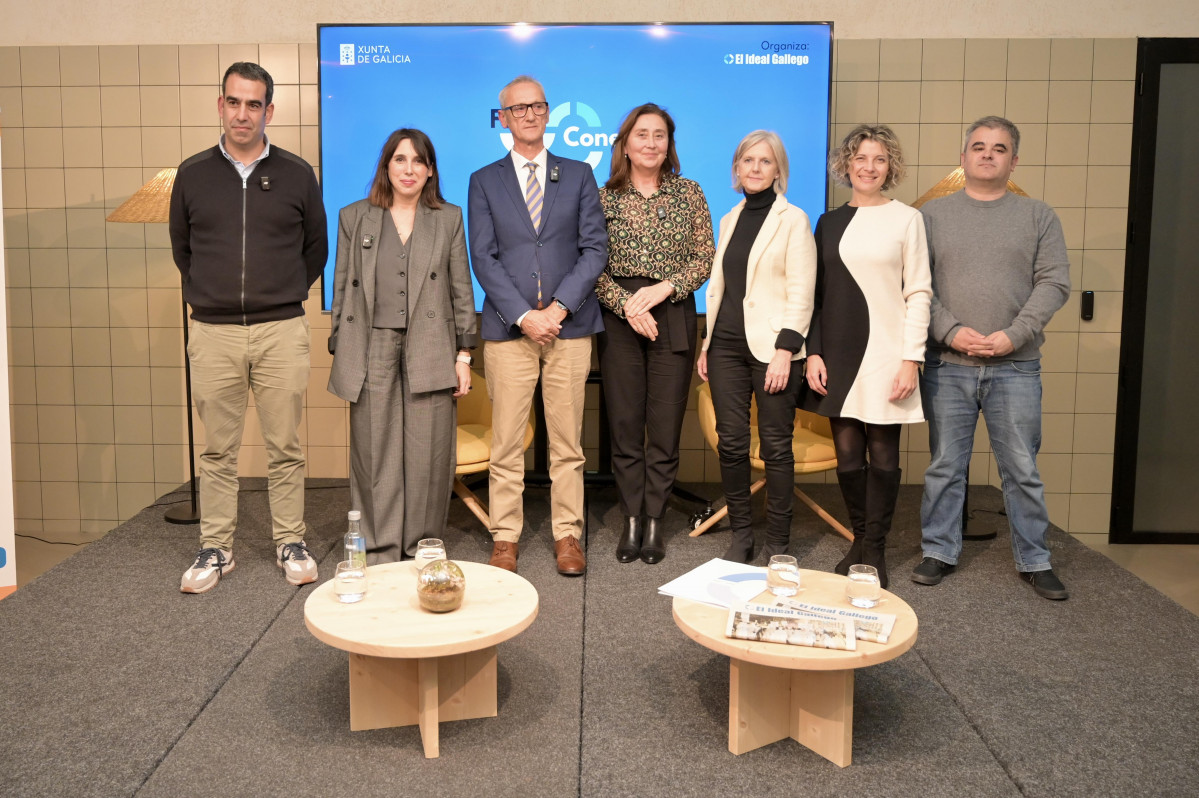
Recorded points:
(882, 489)
(653, 547)
(853, 491)
(629, 547)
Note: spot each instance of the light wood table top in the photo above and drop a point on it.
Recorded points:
(389, 621)
(705, 625)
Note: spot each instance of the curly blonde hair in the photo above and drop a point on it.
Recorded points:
(839, 159)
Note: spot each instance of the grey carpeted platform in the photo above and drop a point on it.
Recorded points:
(115, 684)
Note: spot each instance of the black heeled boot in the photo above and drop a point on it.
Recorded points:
(629, 547)
(853, 491)
(882, 489)
(735, 477)
(741, 548)
(653, 547)
(777, 542)
(780, 503)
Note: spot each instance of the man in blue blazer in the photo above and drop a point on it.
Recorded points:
(537, 245)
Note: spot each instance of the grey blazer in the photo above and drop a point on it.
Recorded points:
(441, 303)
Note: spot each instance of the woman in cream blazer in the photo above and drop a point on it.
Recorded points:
(759, 308)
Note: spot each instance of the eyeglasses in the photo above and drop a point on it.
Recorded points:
(518, 110)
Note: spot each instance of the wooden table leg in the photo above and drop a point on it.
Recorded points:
(383, 692)
(466, 685)
(427, 706)
(386, 692)
(759, 712)
(815, 708)
(822, 713)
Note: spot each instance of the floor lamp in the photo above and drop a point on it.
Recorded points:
(952, 183)
(151, 205)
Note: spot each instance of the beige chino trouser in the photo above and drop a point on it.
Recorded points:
(228, 361)
(512, 369)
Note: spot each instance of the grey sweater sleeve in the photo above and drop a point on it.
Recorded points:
(942, 325)
(1051, 281)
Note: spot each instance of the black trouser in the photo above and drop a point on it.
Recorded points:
(645, 388)
(735, 376)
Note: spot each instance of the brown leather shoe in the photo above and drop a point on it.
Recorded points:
(571, 561)
(503, 555)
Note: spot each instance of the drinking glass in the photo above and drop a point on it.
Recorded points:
(349, 583)
(863, 589)
(428, 550)
(782, 575)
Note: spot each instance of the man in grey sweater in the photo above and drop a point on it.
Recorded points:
(1000, 272)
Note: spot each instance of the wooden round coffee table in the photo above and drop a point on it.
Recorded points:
(778, 690)
(410, 666)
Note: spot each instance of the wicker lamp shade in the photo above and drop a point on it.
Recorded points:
(151, 204)
(953, 182)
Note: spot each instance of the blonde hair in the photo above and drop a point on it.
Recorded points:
(780, 156)
(840, 158)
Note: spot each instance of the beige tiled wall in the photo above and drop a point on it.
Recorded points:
(96, 356)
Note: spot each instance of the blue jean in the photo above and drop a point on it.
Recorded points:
(1009, 396)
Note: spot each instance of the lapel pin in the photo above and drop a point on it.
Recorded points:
(554, 175)
(368, 241)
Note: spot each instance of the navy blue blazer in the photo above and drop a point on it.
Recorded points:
(507, 255)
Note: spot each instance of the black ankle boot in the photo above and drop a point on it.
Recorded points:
(735, 478)
(741, 548)
(653, 547)
(777, 542)
(853, 491)
(771, 548)
(629, 546)
(882, 489)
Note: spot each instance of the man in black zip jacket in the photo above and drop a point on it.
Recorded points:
(249, 238)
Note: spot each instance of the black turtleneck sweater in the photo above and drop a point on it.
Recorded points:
(730, 322)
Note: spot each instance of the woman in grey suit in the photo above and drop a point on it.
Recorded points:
(402, 330)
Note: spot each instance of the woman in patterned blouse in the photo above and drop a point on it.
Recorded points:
(660, 250)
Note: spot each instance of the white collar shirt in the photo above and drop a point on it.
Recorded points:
(522, 171)
(245, 170)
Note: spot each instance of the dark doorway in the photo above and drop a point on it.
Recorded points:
(1155, 490)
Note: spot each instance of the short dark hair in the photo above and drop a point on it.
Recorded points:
(994, 123)
(381, 193)
(250, 71)
(618, 179)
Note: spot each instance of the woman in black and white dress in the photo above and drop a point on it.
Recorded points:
(873, 289)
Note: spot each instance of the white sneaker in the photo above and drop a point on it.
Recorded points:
(209, 567)
(298, 567)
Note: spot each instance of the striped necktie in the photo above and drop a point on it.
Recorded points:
(533, 195)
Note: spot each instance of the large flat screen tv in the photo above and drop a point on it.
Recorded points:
(719, 82)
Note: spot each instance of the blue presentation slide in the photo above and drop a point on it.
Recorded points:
(719, 82)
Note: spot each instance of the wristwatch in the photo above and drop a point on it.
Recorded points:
(561, 306)
(464, 357)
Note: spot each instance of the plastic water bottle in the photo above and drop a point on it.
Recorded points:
(355, 543)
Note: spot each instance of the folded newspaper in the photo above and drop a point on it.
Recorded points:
(773, 624)
(874, 627)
